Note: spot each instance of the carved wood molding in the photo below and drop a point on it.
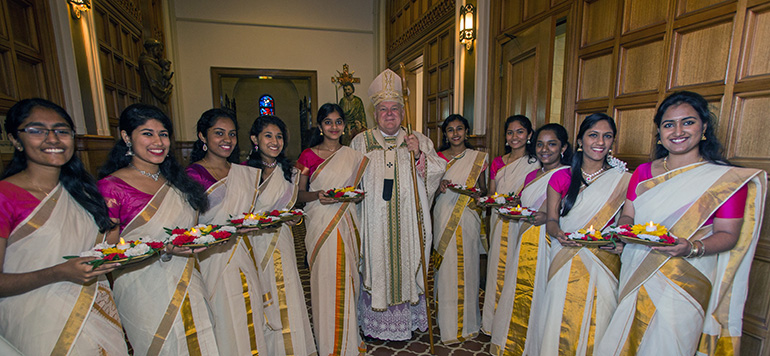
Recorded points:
(427, 22)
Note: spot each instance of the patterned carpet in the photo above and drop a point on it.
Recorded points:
(419, 345)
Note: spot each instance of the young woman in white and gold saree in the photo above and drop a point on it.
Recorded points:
(457, 234)
(332, 238)
(162, 302)
(687, 298)
(506, 176)
(49, 208)
(229, 270)
(286, 324)
(514, 329)
(581, 293)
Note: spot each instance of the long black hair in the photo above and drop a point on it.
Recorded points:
(524, 121)
(577, 159)
(72, 175)
(137, 115)
(324, 111)
(454, 117)
(255, 160)
(710, 148)
(561, 134)
(207, 120)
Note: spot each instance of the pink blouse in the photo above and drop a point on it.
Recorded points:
(15, 205)
(497, 163)
(308, 162)
(731, 209)
(442, 156)
(124, 201)
(560, 181)
(201, 175)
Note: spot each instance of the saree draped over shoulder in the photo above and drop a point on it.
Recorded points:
(60, 318)
(332, 242)
(686, 306)
(163, 305)
(502, 237)
(582, 289)
(285, 320)
(230, 270)
(457, 247)
(514, 329)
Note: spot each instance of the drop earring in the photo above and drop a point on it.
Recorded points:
(130, 151)
(205, 148)
(322, 133)
(703, 138)
(579, 149)
(528, 141)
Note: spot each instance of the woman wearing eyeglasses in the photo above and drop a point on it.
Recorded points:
(50, 208)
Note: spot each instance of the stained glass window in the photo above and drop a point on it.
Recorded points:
(266, 105)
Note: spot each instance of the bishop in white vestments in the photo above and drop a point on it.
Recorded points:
(392, 302)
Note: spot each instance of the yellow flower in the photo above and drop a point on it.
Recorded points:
(659, 230)
(206, 229)
(347, 189)
(110, 250)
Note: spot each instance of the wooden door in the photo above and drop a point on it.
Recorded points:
(524, 79)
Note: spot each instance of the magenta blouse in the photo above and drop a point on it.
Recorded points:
(124, 201)
(201, 175)
(15, 205)
(308, 162)
(731, 209)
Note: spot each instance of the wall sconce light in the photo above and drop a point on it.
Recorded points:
(79, 6)
(468, 25)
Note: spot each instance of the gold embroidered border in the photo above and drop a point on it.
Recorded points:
(525, 287)
(645, 309)
(191, 334)
(574, 307)
(249, 314)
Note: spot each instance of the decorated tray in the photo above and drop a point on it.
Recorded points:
(464, 190)
(590, 237)
(200, 235)
(266, 219)
(496, 200)
(650, 234)
(516, 212)
(124, 252)
(344, 194)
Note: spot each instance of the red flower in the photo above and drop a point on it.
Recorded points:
(237, 221)
(265, 221)
(183, 239)
(275, 213)
(155, 245)
(294, 212)
(219, 235)
(178, 231)
(668, 239)
(339, 194)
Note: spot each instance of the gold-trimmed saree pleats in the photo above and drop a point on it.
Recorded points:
(249, 314)
(525, 287)
(282, 305)
(645, 309)
(574, 308)
(340, 320)
(172, 310)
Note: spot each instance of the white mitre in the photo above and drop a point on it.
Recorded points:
(386, 87)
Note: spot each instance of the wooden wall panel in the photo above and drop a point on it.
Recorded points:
(533, 8)
(639, 14)
(750, 128)
(510, 13)
(700, 54)
(599, 21)
(522, 85)
(595, 76)
(756, 61)
(689, 6)
(758, 305)
(641, 67)
(636, 132)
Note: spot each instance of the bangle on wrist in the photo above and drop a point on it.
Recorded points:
(702, 251)
(693, 250)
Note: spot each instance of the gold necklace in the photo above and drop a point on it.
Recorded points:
(665, 160)
(330, 150)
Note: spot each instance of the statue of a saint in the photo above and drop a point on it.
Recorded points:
(355, 115)
(156, 75)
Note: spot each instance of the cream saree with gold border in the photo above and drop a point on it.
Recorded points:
(515, 330)
(502, 237)
(163, 305)
(332, 242)
(230, 270)
(60, 318)
(457, 247)
(686, 306)
(582, 289)
(286, 323)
